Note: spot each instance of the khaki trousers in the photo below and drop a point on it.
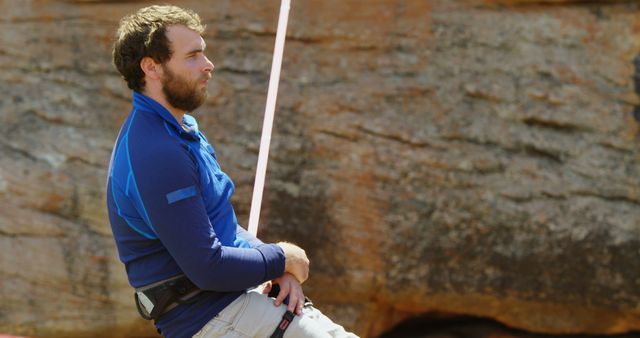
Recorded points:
(254, 315)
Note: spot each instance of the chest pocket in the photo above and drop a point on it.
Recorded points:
(216, 186)
(209, 156)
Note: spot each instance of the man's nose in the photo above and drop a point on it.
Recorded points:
(208, 65)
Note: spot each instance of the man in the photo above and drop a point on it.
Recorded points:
(168, 201)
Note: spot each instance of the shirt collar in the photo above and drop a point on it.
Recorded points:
(147, 104)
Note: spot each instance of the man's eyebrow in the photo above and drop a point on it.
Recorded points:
(195, 50)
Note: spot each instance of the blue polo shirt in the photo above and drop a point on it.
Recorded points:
(168, 203)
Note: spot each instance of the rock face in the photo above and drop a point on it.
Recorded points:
(466, 157)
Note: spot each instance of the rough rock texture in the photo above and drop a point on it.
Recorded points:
(443, 326)
(466, 157)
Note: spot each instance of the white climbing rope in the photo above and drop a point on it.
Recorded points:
(267, 126)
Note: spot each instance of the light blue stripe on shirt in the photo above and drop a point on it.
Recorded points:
(181, 194)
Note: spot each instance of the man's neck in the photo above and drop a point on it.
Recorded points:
(178, 114)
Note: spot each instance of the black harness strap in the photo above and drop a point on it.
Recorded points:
(165, 298)
(287, 318)
(166, 295)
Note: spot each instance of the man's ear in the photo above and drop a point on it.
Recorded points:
(151, 69)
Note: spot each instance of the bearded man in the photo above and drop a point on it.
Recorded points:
(193, 267)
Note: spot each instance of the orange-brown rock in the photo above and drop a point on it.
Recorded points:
(463, 157)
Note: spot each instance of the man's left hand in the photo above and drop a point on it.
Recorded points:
(265, 288)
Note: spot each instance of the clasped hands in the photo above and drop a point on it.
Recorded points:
(296, 272)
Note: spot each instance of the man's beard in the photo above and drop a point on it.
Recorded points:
(181, 93)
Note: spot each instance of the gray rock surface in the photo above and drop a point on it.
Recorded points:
(466, 157)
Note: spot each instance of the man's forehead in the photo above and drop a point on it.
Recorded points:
(183, 38)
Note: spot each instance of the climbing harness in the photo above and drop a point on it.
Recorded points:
(158, 298)
(288, 316)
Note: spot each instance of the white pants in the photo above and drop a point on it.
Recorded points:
(254, 315)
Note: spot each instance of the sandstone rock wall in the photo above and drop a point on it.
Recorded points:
(467, 157)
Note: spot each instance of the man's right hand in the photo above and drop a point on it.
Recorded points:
(296, 261)
(290, 287)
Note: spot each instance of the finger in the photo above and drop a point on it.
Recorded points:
(267, 289)
(293, 302)
(301, 302)
(300, 306)
(296, 301)
(284, 291)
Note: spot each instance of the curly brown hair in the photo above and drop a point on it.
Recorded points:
(143, 34)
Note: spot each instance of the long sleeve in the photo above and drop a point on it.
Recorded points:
(167, 183)
(248, 237)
